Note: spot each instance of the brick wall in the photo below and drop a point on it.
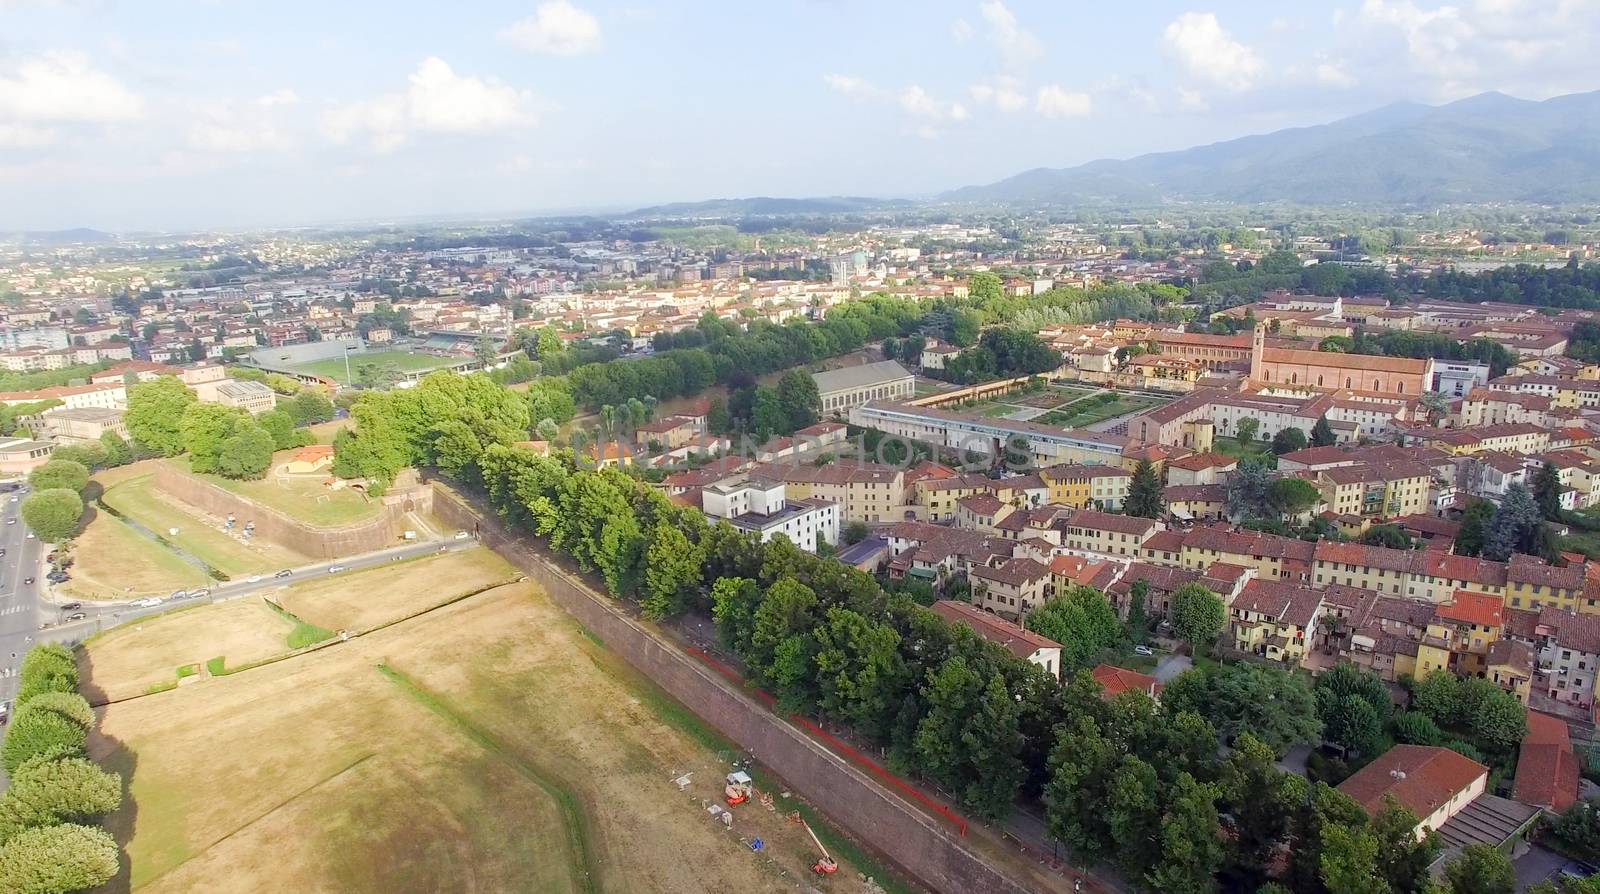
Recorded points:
(283, 530)
(915, 842)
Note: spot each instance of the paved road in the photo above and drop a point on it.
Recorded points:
(20, 611)
(1170, 666)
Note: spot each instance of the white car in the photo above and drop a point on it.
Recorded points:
(30, 535)
(151, 602)
(1142, 650)
(254, 579)
(462, 535)
(335, 569)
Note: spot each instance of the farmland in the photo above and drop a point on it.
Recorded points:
(490, 741)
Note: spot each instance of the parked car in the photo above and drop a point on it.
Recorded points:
(284, 573)
(56, 577)
(178, 594)
(201, 593)
(11, 521)
(5, 711)
(253, 579)
(30, 535)
(148, 602)
(1142, 650)
(76, 616)
(71, 606)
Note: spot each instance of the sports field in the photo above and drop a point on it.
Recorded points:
(486, 746)
(404, 361)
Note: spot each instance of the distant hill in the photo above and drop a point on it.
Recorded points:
(764, 205)
(57, 237)
(1487, 148)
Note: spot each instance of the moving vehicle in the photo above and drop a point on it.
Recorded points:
(11, 521)
(76, 616)
(30, 535)
(462, 535)
(335, 569)
(5, 711)
(27, 582)
(254, 579)
(149, 602)
(284, 573)
(71, 606)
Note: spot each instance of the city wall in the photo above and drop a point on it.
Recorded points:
(915, 842)
(279, 528)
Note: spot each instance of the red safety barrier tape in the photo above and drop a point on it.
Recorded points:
(839, 746)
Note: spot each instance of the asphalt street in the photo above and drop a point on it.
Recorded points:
(20, 610)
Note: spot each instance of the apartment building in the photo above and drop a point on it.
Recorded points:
(1509, 437)
(1376, 490)
(1087, 486)
(1459, 635)
(1018, 640)
(762, 507)
(1533, 583)
(1274, 619)
(252, 397)
(1271, 556)
(1100, 533)
(1568, 649)
(73, 397)
(1011, 589)
(868, 492)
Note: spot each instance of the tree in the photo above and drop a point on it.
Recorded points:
(1481, 869)
(1144, 493)
(1191, 852)
(1288, 441)
(969, 740)
(964, 325)
(1277, 708)
(1247, 428)
(310, 407)
(859, 670)
(550, 399)
(40, 734)
(59, 473)
(48, 667)
(1437, 405)
(1578, 829)
(1322, 434)
(1133, 813)
(246, 453)
(53, 514)
(1262, 801)
(548, 343)
(1547, 491)
(1247, 492)
(855, 532)
(1082, 621)
(1198, 615)
(1474, 527)
(1349, 860)
(734, 601)
(1390, 536)
(46, 792)
(484, 352)
(671, 572)
(280, 425)
(205, 427)
(155, 414)
(1514, 526)
(767, 416)
(1293, 496)
(58, 859)
(799, 398)
(1403, 860)
(1354, 724)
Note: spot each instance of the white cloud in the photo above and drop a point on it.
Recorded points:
(1200, 44)
(63, 86)
(1056, 102)
(23, 136)
(1192, 101)
(1004, 93)
(1015, 43)
(918, 103)
(557, 28)
(850, 85)
(235, 138)
(282, 97)
(1333, 74)
(960, 31)
(437, 101)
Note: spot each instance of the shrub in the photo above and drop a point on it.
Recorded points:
(46, 668)
(62, 473)
(57, 859)
(40, 734)
(53, 514)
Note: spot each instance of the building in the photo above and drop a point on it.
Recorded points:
(1400, 376)
(73, 397)
(1275, 620)
(760, 506)
(1116, 680)
(1017, 640)
(1012, 589)
(85, 424)
(252, 397)
(19, 456)
(842, 390)
(1084, 486)
(1547, 770)
(1433, 783)
(309, 460)
(869, 492)
(935, 354)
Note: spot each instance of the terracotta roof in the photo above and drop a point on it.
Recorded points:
(1161, 578)
(1168, 541)
(1116, 680)
(1319, 456)
(1547, 770)
(1105, 521)
(1020, 641)
(1581, 633)
(1472, 608)
(1015, 572)
(1422, 778)
(1344, 361)
(1533, 570)
(1200, 461)
(1282, 601)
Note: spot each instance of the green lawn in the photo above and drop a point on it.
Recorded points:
(302, 497)
(1081, 413)
(405, 361)
(1258, 449)
(138, 499)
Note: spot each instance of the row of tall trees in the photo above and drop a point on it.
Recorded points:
(49, 840)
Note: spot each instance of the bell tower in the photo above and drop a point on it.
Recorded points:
(1258, 351)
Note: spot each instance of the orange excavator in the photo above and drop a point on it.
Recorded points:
(739, 788)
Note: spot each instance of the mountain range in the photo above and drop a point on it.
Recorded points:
(1486, 148)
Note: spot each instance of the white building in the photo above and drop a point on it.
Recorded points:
(842, 390)
(760, 506)
(1456, 378)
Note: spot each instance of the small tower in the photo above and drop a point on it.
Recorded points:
(1258, 352)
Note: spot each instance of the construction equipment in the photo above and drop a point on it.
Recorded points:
(739, 788)
(826, 865)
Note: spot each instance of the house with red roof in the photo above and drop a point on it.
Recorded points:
(1547, 769)
(1433, 783)
(1116, 680)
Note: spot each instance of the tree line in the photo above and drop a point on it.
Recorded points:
(50, 842)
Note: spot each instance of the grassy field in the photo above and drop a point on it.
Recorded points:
(324, 432)
(113, 561)
(301, 496)
(140, 500)
(366, 599)
(129, 660)
(1082, 413)
(487, 746)
(405, 361)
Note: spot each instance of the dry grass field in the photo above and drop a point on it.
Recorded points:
(139, 499)
(486, 746)
(113, 561)
(129, 660)
(365, 599)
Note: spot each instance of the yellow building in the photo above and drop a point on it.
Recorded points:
(1108, 535)
(1012, 590)
(1532, 583)
(1087, 486)
(1459, 635)
(1376, 490)
(869, 492)
(1273, 557)
(1274, 620)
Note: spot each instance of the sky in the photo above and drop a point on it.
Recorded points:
(175, 114)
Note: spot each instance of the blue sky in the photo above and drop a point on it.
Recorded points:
(169, 114)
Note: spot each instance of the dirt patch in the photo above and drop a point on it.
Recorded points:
(318, 772)
(129, 660)
(366, 599)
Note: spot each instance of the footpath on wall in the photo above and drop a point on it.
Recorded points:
(929, 847)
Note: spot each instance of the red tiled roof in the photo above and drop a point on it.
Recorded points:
(1547, 770)
(1020, 641)
(1422, 778)
(1116, 680)
(1472, 608)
